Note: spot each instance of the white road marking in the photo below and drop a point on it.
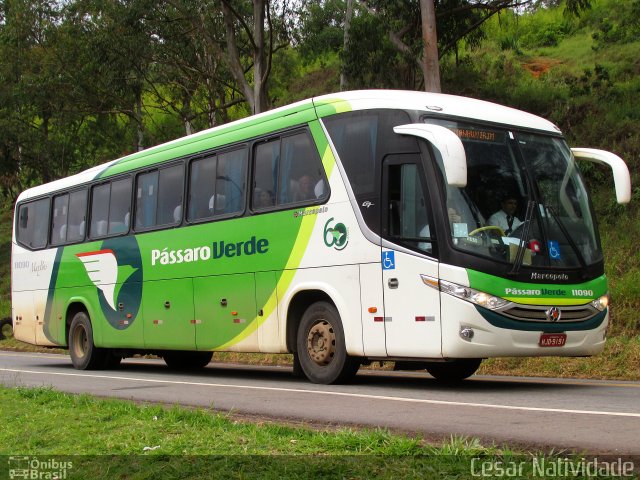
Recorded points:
(335, 394)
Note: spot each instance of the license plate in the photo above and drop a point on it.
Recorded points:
(553, 339)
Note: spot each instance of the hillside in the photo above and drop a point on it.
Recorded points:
(583, 74)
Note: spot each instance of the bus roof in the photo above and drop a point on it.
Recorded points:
(301, 112)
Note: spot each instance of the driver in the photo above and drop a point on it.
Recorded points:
(505, 218)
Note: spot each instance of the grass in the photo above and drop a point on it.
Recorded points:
(148, 441)
(80, 436)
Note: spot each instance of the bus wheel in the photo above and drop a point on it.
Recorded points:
(84, 354)
(321, 346)
(185, 360)
(6, 328)
(454, 370)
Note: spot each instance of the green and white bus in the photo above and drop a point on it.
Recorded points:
(348, 228)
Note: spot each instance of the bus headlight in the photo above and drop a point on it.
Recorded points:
(474, 296)
(601, 303)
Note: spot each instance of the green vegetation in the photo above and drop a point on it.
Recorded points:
(155, 441)
(581, 72)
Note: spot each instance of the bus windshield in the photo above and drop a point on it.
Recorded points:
(525, 201)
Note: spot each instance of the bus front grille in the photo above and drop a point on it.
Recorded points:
(578, 313)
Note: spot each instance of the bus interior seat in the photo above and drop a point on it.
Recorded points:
(101, 228)
(177, 214)
(218, 202)
(63, 232)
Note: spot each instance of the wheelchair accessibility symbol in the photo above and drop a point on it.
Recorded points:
(554, 250)
(388, 260)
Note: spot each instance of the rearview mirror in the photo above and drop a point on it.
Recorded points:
(448, 144)
(621, 177)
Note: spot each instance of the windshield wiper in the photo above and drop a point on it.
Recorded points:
(565, 232)
(531, 205)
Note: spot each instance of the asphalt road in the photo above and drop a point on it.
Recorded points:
(586, 416)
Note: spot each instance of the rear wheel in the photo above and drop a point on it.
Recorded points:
(186, 360)
(6, 328)
(454, 370)
(321, 346)
(84, 354)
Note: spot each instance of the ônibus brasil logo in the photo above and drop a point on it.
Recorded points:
(336, 236)
(116, 271)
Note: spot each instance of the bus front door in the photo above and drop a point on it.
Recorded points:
(411, 307)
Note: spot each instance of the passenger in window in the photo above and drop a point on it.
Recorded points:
(262, 198)
(306, 189)
(506, 218)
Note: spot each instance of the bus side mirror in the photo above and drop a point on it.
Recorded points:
(447, 143)
(621, 177)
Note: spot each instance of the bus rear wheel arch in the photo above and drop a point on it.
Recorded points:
(321, 348)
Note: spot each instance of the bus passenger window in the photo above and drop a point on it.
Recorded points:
(201, 188)
(59, 219)
(33, 223)
(265, 172)
(146, 191)
(288, 171)
(301, 172)
(99, 210)
(170, 184)
(230, 181)
(120, 206)
(217, 185)
(77, 214)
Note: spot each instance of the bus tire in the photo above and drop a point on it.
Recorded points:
(6, 328)
(454, 370)
(321, 346)
(186, 360)
(84, 354)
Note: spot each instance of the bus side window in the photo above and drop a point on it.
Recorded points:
(288, 171)
(230, 181)
(33, 223)
(99, 210)
(110, 207)
(170, 185)
(265, 172)
(146, 191)
(201, 188)
(59, 219)
(77, 216)
(120, 206)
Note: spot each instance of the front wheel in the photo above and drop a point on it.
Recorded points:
(454, 370)
(84, 354)
(321, 346)
(6, 328)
